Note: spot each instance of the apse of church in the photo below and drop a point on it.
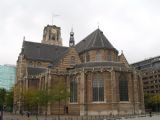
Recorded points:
(99, 80)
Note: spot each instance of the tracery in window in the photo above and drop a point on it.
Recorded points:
(123, 88)
(97, 88)
(73, 90)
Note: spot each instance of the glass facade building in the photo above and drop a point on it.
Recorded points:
(7, 76)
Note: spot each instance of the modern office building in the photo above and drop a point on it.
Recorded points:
(150, 72)
(7, 76)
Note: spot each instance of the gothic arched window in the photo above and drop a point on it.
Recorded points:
(73, 90)
(123, 88)
(98, 88)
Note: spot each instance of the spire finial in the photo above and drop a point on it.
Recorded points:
(122, 51)
(24, 38)
(98, 24)
(71, 41)
(72, 29)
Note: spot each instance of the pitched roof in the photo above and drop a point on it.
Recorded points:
(100, 64)
(95, 40)
(44, 52)
(35, 71)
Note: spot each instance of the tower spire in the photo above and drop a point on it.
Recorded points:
(71, 40)
(98, 24)
(24, 38)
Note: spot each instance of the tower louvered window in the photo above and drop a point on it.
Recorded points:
(97, 88)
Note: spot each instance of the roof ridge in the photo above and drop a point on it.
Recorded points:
(86, 37)
(44, 44)
(101, 38)
(90, 40)
(94, 38)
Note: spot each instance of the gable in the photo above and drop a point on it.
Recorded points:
(66, 61)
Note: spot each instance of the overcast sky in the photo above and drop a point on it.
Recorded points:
(130, 25)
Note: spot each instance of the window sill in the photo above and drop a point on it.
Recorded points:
(124, 102)
(98, 102)
(73, 103)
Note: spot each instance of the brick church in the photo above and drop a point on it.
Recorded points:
(99, 79)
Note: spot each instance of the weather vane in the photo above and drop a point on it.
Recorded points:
(54, 16)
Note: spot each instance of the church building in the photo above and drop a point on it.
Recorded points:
(99, 79)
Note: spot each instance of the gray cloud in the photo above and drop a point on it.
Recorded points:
(131, 26)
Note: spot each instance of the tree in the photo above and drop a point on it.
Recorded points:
(156, 102)
(155, 99)
(152, 101)
(59, 93)
(35, 97)
(147, 100)
(9, 100)
(31, 100)
(2, 101)
(43, 98)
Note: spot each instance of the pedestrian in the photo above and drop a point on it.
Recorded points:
(28, 114)
(150, 113)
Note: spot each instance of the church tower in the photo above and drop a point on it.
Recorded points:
(52, 35)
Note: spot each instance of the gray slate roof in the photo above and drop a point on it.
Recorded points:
(35, 71)
(95, 40)
(44, 52)
(100, 64)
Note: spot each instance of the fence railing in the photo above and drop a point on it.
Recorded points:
(102, 117)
